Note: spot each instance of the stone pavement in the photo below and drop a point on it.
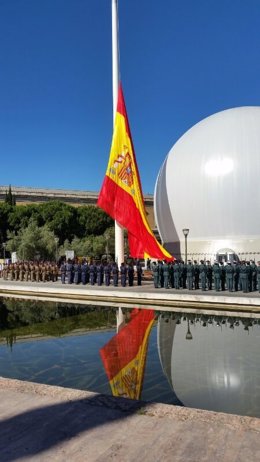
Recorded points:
(140, 296)
(45, 423)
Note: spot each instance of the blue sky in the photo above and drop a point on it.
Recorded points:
(180, 60)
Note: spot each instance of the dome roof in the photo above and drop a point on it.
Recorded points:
(209, 182)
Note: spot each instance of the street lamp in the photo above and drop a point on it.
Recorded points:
(4, 246)
(56, 242)
(185, 232)
(189, 334)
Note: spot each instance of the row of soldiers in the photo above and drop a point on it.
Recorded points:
(34, 271)
(234, 276)
(100, 273)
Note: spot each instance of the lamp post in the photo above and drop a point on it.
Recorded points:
(4, 246)
(189, 334)
(56, 242)
(185, 232)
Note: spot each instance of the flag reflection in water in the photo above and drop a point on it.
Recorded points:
(124, 356)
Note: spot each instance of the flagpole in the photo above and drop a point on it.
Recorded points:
(119, 231)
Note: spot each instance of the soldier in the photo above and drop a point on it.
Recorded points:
(155, 269)
(236, 275)
(42, 271)
(171, 275)
(76, 272)
(258, 275)
(209, 275)
(11, 271)
(16, 271)
(21, 271)
(69, 271)
(107, 273)
(166, 275)
(203, 274)
(222, 276)
(131, 273)
(161, 281)
(115, 274)
(183, 274)
(229, 276)
(123, 273)
(37, 271)
(87, 272)
(196, 275)
(99, 271)
(244, 270)
(254, 278)
(176, 275)
(63, 272)
(139, 273)
(31, 269)
(83, 272)
(26, 271)
(216, 274)
(190, 275)
(92, 273)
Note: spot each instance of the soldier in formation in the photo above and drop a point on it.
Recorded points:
(244, 276)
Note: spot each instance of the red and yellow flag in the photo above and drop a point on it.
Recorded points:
(121, 194)
(124, 356)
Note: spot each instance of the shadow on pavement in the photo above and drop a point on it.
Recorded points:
(38, 430)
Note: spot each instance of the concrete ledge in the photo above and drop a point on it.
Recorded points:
(138, 295)
(42, 423)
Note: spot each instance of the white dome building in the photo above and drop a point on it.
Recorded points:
(210, 184)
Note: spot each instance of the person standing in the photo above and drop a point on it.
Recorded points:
(176, 275)
(166, 275)
(190, 275)
(131, 274)
(155, 269)
(254, 279)
(258, 275)
(115, 274)
(222, 276)
(203, 275)
(139, 273)
(229, 276)
(244, 276)
(69, 271)
(107, 273)
(92, 271)
(123, 274)
(63, 272)
(216, 274)
(236, 267)
(209, 275)
(196, 275)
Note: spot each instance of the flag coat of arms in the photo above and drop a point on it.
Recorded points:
(121, 194)
(124, 356)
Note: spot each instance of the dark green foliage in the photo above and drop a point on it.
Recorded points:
(9, 197)
(82, 228)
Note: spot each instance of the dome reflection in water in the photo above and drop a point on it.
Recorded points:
(212, 362)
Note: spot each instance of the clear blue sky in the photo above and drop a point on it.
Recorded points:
(181, 60)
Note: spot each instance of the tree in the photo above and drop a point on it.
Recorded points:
(33, 242)
(9, 197)
(92, 221)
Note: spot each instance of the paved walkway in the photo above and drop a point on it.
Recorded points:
(145, 295)
(44, 423)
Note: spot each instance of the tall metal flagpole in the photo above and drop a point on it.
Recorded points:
(119, 232)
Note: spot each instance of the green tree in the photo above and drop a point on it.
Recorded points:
(33, 242)
(60, 218)
(92, 221)
(9, 197)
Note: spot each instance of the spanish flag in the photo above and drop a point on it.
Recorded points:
(124, 356)
(121, 194)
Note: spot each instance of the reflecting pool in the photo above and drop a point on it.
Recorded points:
(196, 360)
